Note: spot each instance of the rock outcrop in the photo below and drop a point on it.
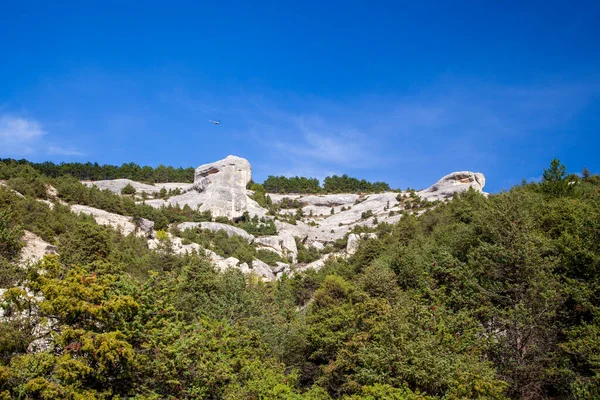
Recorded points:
(283, 244)
(450, 184)
(35, 248)
(220, 188)
(262, 270)
(354, 241)
(116, 185)
(122, 223)
(216, 226)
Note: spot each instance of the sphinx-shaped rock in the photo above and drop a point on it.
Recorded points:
(231, 172)
(453, 183)
(219, 187)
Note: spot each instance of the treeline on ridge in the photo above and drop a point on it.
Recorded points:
(331, 184)
(273, 184)
(96, 172)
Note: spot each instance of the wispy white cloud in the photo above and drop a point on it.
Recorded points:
(62, 151)
(24, 136)
(19, 135)
(313, 140)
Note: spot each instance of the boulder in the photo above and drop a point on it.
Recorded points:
(318, 264)
(145, 227)
(318, 245)
(450, 184)
(262, 270)
(283, 244)
(217, 226)
(116, 221)
(224, 263)
(176, 245)
(281, 269)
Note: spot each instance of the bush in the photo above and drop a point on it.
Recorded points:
(128, 190)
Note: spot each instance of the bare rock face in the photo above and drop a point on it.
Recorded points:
(219, 187)
(146, 227)
(222, 185)
(116, 221)
(35, 248)
(231, 172)
(126, 225)
(283, 244)
(262, 270)
(217, 226)
(354, 241)
(116, 185)
(455, 182)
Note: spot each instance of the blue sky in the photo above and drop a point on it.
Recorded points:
(403, 92)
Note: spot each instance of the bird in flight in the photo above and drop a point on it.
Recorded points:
(215, 121)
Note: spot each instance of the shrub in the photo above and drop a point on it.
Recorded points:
(128, 190)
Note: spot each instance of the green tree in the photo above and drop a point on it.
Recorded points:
(128, 189)
(553, 179)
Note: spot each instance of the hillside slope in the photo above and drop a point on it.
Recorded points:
(479, 297)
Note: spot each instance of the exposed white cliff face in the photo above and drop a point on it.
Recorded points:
(455, 182)
(35, 248)
(216, 226)
(116, 185)
(119, 222)
(231, 172)
(220, 188)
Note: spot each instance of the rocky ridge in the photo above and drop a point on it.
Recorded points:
(220, 187)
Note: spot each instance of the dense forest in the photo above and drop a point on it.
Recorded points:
(477, 298)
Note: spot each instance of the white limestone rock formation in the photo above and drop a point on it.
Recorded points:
(145, 227)
(283, 244)
(116, 221)
(282, 269)
(219, 187)
(126, 225)
(354, 241)
(316, 265)
(262, 270)
(455, 182)
(318, 245)
(116, 185)
(3, 184)
(217, 226)
(35, 248)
